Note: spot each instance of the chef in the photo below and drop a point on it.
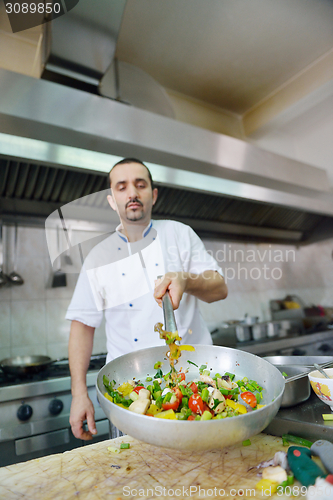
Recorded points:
(119, 280)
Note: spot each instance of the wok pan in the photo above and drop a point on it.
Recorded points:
(25, 365)
(200, 435)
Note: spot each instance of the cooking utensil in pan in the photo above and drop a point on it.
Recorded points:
(25, 365)
(201, 435)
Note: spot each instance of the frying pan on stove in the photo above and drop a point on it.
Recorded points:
(193, 435)
(25, 365)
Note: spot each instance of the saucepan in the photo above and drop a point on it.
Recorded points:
(200, 435)
(25, 365)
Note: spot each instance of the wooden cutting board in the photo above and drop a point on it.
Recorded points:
(94, 473)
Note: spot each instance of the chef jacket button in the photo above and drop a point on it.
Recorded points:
(119, 248)
(135, 340)
(131, 305)
(153, 238)
(156, 264)
(123, 274)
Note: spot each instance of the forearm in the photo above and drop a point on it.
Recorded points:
(79, 353)
(208, 286)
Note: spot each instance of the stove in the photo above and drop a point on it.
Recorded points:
(35, 412)
(304, 420)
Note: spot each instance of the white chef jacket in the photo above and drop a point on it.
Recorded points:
(117, 279)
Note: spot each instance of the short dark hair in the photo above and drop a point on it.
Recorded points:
(132, 160)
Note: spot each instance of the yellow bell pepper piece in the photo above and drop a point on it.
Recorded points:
(266, 484)
(186, 348)
(236, 406)
(107, 396)
(167, 414)
(125, 389)
(153, 410)
(260, 406)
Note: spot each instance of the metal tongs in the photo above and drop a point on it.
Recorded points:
(301, 375)
(169, 315)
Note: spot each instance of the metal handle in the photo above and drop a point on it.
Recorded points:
(169, 315)
(301, 375)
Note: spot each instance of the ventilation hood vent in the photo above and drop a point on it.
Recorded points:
(57, 145)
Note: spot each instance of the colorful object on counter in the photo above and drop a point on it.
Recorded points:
(322, 387)
(304, 468)
(324, 450)
(113, 449)
(322, 489)
(124, 446)
(247, 442)
(327, 416)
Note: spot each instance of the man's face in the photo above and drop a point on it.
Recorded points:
(132, 195)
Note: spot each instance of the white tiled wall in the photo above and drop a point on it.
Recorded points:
(32, 315)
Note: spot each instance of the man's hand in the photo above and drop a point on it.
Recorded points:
(208, 286)
(82, 409)
(175, 284)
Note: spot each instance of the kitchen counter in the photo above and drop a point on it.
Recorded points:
(270, 345)
(92, 472)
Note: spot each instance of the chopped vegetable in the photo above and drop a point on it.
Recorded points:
(236, 406)
(195, 404)
(249, 398)
(328, 416)
(157, 365)
(266, 484)
(168, 414)
(107, 396)
(171, 397)
(124, 446)
(297, 440)
(277, 474)
(284, 374)
(113, 449)
(191, 363)
(247, 442)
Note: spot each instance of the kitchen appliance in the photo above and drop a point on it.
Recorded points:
(35, 412)
(178, 434)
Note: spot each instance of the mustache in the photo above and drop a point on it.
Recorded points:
(135, 200)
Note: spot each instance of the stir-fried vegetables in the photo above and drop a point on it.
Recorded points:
(172, 396)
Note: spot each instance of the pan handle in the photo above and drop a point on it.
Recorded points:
(169, 315)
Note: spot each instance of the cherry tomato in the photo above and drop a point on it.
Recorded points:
(194, 388)
(182, 376)
(196, 404)
(171, 406)
(191, 417)
(138, 388)
(227, 396)
(249, 398)
(178, 393)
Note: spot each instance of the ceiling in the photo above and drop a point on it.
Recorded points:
(249, 58)
(231, 54)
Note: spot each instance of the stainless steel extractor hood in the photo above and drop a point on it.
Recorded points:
(57, 144)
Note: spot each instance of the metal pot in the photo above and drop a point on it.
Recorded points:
(259, 331)
(183, 435)
(243, 332)
(25, 365)
(297, 391)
